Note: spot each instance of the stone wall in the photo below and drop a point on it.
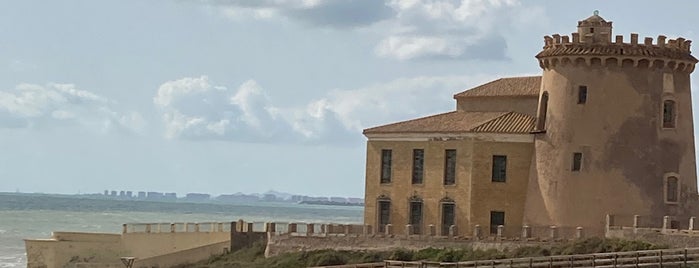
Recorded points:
(286, 243)
(141, 241)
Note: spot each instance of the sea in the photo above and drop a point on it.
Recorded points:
(35, 216)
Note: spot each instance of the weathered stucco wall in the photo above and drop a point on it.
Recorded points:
(183, 257)
(509, 196)
(144, 245)
(525, 105)
(626, 151)
(104, 249)
(70, 248)
(474, 194)
(432, 190)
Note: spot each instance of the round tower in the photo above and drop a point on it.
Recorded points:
(614, 130)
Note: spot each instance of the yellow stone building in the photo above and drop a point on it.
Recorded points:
(606, 129)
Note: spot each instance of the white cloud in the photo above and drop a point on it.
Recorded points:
(408, 29)
(447, 29)
(31, 105)
(338, 14)
(193, 108)
(248, 114)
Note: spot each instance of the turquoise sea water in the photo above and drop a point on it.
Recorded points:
(36, 216)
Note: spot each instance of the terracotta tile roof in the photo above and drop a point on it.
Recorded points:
(505, 87)
(458, 121)
(508, 123)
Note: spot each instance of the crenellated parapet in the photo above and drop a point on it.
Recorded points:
(659, 53)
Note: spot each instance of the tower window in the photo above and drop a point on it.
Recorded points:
(418, 165)
(671, 189)
(582, 94)
(577, 159)
(449, 167)
(669, 114)
(592, 30)
(499, 168)
(543, 107)
(386, 166)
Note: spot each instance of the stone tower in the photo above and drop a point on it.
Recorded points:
(614, 130)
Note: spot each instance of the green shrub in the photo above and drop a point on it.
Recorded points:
(427, 254)
(327, 258)
(401, 255)
(372, 257)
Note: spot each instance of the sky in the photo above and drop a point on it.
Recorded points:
(226, 96)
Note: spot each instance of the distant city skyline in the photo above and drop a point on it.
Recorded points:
(223, 96)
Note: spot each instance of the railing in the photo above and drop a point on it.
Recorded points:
(646, 258)
(178, 227)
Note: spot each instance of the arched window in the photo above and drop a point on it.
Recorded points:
(448, 209)
(383, 206)
(415, 213)
(669, 114)
(672, 189)
(543, 107)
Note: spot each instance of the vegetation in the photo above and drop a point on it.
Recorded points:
(254, 255)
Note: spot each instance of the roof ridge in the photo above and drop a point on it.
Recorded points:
(515, 86)
(409, 120)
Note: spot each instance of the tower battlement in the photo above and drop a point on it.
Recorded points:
(593, 44)
(680, 44)
(651, 53)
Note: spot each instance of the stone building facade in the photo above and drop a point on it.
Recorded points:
(606, 129)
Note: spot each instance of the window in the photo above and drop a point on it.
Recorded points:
(592, 30)
(416, 215)
(448, 217)
(668, 114)
(543, 107)
(671, 188)
(418, 165)
(577, 159)
(582, 94)
(449, 167)
(385, 166)
(497, 218)
(384, 214)
(499, 168)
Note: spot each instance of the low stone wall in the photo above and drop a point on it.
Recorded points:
(141, 241)
(184, 257)
(71, 248)
(285, 243)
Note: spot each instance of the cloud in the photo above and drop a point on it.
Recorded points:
(407, 29)
(31, 105)
(448, 29)
(193, 108)
(331, 13)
